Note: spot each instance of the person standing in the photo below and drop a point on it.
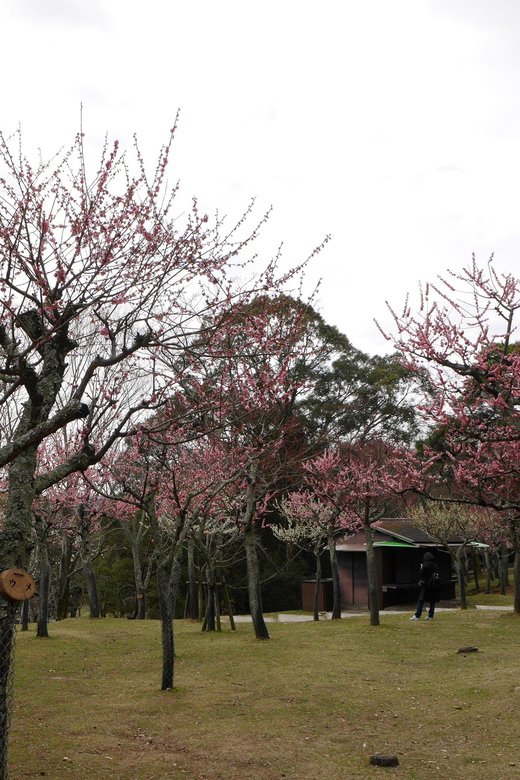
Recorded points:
(429, 582)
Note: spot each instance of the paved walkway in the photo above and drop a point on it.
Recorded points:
(285, 618)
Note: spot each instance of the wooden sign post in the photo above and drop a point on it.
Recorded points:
(16, 585)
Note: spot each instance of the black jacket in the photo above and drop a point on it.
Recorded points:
(428, 593)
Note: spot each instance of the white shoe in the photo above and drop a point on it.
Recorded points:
(415, 618)
(428, 618)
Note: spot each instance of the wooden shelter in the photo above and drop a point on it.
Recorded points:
(399, 549)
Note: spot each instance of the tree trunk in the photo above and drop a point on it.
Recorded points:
(488, 571)
(25, 616)
(167, 639)
(229, 607)
(209, 621)
(253, 582)
(317, 586)
(253, 569)
(336, 588)
(495, 566)
(44, 584)
(513, 532)
(168, 589)
(373, 595)
(15, 550)
(140, 592)
(62, 611)
(504, 569)
(516, 583)
(193, 611)
(7, 621)
(141, 605)
(476, 568)
(459, 564)
(85, 551)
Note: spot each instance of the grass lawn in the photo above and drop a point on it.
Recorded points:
(313, 703)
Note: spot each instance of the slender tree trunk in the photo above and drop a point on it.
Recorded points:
(373, 595)
(513, 532)
(253, 568)
(476, 568)
(168, 588)
(495, 565)
(44, 585)
(317, 586)
(140, 592)
(253, 581)
(516, 583)
(229, 607)
(209, 622)
(64, 578)
(459, 564)
(504, 569)
(193, 611)
(488, 571)
(25, 616)
(44, 588)
(168, 646)
(85, 550)
(336, 587)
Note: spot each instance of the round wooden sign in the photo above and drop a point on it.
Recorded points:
(16, 585)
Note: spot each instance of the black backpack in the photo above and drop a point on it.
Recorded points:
(433, 580)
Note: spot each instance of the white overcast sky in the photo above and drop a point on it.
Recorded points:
(392, 125)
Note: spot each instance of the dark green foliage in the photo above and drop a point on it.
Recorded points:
(356, 397)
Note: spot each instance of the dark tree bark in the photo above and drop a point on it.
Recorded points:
(373, 595)
(459, 565)
(513, 532)
(168, 647)
(7, 621)
(476, 568)
(253, 569)
(25, 616)
(209, 620)
(253, 581)
(168, 589)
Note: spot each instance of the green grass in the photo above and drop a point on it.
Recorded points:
(494, 598)
(314, 702)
